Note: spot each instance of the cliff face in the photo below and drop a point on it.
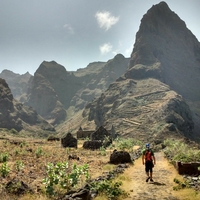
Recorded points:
(14, 115)
(17, 83)
(53, 89)
(164, 38)
(146, 101)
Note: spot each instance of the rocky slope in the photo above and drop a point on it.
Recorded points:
(146, 102)
(100, 81)
(14, 115)
(53, 89)
(17, 83)
(163, 37)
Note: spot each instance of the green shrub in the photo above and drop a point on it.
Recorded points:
(13, 131)
(109, 188)
(4, 157)
(19, 165)
(21, 145)
(16, 152)
(58, 175)
(103, 151)
(39, 152)
(4, 170)
(127, 144)
(179, 151)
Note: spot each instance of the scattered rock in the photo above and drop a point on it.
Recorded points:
(69, 141)
(30, 150)
(73, 157)
(17, 187)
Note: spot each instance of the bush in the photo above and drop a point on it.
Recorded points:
(179, 151)
(109, 188)
(4, 157)
(58, 174)
(127, 144)
(4, 170)
(13, 131)
(39, 152)
(19, 165)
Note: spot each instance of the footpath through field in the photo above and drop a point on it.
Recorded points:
(163, 176)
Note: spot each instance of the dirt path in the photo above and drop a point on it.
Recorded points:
(163, 175)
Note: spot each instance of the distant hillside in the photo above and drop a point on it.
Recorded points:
(53, 90)
(17, 83)
(146, 102)
(14, 115)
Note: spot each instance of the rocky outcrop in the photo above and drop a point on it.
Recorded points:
(18, 84)
(164, 38)
(14, 115)
(43, 97)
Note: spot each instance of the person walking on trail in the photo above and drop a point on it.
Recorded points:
(148, 156)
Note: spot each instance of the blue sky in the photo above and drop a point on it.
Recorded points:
(75, 33)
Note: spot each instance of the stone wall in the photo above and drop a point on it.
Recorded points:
(187, 168)
(84, 134)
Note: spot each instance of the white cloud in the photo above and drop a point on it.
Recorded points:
(105, 48)
(69, 28)
(106, 20)
(128, 51)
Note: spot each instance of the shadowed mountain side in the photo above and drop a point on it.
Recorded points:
(14, 115)
(17, 83)
(53, 90)
(164, 38)
(45, 100)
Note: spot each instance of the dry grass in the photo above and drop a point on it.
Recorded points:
(34, 170)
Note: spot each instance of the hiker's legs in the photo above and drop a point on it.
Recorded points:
(151, 173)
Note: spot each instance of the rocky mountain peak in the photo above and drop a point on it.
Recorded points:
(52, 68)
(160, 27)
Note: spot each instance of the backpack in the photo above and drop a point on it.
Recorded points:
(148, 155)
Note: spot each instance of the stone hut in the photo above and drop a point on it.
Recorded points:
(100, 134)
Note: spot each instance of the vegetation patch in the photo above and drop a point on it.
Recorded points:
(179, 151)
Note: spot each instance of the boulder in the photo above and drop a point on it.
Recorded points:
(92, 145)
(118, 157)
(69, 141)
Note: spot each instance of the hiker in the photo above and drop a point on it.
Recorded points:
(148, 154)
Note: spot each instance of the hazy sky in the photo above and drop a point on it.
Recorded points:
(75, 33)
